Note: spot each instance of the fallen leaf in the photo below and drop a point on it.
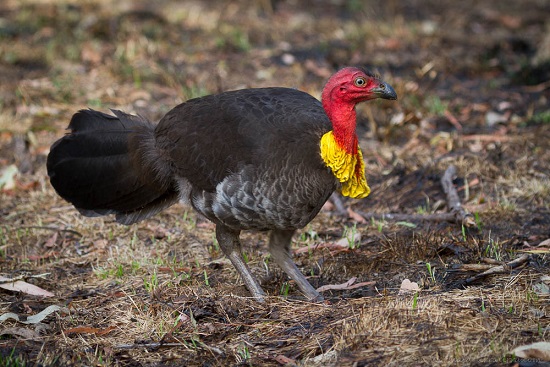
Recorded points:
(19, 331)
(34, 319)
(356, 216)
(7, 177)
(21, 286)
(406, 224)
(183, 318)
(50, 242)
(349, 242)
(539, 351)
(321, 246)
(492, 118)
(541, 289)
(407, 287)
(100, 244)
(41, 256)
(89, 330)
(350, 284)
(325, 359)
(285, 361)
(337, 286)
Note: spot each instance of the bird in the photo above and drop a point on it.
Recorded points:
(261, 159)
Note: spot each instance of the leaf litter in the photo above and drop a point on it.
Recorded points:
(160, 293)
(18, 285)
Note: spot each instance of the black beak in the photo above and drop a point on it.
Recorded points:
(384, 91)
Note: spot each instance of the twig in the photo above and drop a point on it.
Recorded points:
(487, 138)
(500, 269)
(438, 217)
(319, 246)
(470, 267)
(453, 120)
(56, 229)
(537, 88)
(148, 345)
(156, 345)
(453, 201)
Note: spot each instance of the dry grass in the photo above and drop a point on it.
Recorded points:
(160, 293)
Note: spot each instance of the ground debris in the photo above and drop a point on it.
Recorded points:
(34, 319)
(537, 351)
(456, 214)
(18, 285)
(159, 293)
(500, 269)
(453, 201)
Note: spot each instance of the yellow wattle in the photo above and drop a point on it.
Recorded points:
(348, 168)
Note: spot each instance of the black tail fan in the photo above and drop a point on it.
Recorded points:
(109, 165)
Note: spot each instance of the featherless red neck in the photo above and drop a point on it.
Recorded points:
(343, 117)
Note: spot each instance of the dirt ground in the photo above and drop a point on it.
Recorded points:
(473, 80)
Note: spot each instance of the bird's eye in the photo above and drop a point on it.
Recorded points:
(360, 82)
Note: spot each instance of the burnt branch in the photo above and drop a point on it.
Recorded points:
(460, 214)
(500, 269)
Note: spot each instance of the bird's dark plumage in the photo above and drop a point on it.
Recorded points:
(97, 167)
(261, 143)
(246, 159)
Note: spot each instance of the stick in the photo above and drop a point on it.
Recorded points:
(55, 229)
(500, 269)
(439, 217)
(487, 138)
(148, 345)
(453, 201)
(160, 345)
(470, 267)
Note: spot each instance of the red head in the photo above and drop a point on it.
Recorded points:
(342, 92)
(353, 85)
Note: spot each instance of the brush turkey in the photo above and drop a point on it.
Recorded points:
(262, 159)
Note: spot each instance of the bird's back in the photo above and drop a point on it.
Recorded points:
(250, 158)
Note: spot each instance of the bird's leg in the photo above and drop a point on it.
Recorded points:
(279, 247)
(230, 244)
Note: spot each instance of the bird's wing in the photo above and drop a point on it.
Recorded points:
(208, 138)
